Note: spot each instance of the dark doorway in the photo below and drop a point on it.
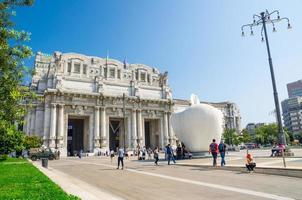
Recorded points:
(147, 134)
(75, 140)
(114, 134)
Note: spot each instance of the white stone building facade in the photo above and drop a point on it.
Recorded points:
(94, 104)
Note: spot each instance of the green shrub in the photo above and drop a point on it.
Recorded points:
(32, 142)
(3, 157)
(72, 197)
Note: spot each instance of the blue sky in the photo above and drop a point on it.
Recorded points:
(197, 41)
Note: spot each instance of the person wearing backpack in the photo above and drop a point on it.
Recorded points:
(222, 148)
(214, 151)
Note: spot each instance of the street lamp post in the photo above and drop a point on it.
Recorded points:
(124, 115)
(262, 20)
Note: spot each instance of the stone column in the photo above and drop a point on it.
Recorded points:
(61, 125)
(97, 127)
(139, 127)
(32, 121)
(28, 123)
(53, 124)
(171, 132)
(129, 131)
(103, 128)
(134, 136)
(90, 132)
(166, 128)
(46, 125)
(72, 66)
(162, 141)
(65, 67)
(81, 69)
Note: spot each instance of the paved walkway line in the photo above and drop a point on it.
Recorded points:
(277, 161)
(211, 185)
(75, 186)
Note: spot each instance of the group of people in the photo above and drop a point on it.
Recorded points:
(182, 152)
(215, 149)
(277, 149)
(220, 148)
(121, 154)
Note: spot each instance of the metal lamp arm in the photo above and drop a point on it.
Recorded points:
(275, 11)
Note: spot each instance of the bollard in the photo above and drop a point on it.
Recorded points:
(45, 162)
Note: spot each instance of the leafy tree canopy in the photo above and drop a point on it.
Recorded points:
(12, 71)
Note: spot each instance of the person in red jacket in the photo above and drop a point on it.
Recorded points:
(213, 149)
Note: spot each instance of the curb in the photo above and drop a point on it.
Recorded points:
(291, 172)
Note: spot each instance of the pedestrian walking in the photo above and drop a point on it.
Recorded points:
(222, 149)
(213, 149)
(80, 154)
(170, 154)
(155, 153)
(111, 155)
(120, 158)
(149, 152)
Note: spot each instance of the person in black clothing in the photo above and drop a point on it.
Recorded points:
(179, 152)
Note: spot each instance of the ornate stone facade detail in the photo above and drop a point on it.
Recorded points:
(82, 103)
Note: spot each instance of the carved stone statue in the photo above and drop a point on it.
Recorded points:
(99, 84)
(169, 93)
(136, 91)
(163, 79)
(59, 84)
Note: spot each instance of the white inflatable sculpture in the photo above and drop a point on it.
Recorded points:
(197, 125)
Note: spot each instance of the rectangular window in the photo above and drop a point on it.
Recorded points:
(143, 76)
(112, 73)
(69, 67)
(148, 78)
(105, 72)
(77, 68)
(84, 69)
(136, 75)
(119, 74)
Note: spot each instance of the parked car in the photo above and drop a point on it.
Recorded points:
(38, 153)
(250, 145)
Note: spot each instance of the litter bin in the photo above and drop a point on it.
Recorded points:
(45, 162)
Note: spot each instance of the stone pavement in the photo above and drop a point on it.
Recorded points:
(141, 180)
(74, 186)
(265, 164)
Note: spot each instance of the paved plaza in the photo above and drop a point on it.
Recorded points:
(261, 157)
(98, 178)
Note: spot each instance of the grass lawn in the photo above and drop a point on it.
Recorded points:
(19, 179)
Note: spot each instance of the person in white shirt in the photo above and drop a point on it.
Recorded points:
(120, 158)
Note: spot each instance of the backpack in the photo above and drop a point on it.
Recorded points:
(213, 147)
(221, 148)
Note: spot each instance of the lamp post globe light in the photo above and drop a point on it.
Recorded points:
(262, 20)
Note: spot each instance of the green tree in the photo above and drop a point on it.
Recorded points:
(266, 134)
(230, 136)
(299, 137)
(244, 137)
(32, 142)
(12, 140)
(12, 72)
